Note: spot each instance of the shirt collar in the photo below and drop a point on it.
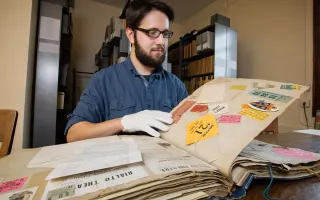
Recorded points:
(130, 66)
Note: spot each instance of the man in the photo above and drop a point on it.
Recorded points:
(137, 94)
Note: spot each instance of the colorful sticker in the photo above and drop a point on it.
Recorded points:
(219, 108)
(238, 87)
(295, 153)
(176, 115)
(201, 129)
(291, 87)
(264, 106)
(254, 114)
(12, 185)
(271, 96)
(199, 108)
(232, 119)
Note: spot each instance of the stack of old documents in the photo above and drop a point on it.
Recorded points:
(208, 150)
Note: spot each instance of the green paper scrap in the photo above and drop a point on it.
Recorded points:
(61, 192)
(291, 87)
(271, 96)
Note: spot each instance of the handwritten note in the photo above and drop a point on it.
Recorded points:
(291, 87)
(12, 185)
(201, 129)
(232, 119)
(254, 114)
(219, 108)
(238, 87)
(271, 96)
(199, 108)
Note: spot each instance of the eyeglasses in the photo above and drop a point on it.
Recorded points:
(155, 33)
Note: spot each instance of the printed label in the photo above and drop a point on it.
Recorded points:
(271, 96)
(165, 165)
(291, 87)
(254, 114)
(238, 87)
(230, 119)
(219, 109)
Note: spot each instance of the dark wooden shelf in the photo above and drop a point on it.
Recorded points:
(199, 56)
(193, 37)
(199, 75)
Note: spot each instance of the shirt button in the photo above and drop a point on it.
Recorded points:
(149, 106)
(121, 105)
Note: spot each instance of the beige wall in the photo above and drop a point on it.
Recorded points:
(176, 28)
(274, 42)
(16, 63)
(90, 19)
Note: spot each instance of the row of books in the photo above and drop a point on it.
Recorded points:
(195, 83)
(190, 49)
(198, 67)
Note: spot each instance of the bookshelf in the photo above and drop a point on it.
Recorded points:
(203, 55)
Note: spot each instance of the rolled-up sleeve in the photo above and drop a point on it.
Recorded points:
(90, 107)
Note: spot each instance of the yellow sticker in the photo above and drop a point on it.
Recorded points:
(254, 114)
(238, 87)
(201, 129)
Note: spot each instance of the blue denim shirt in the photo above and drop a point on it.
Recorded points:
(120, 90)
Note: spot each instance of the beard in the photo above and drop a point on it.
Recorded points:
(147, 59)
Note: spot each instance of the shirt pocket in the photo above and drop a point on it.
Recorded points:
(167, 105)
(122, 107)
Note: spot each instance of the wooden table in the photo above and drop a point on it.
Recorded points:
(308, 189)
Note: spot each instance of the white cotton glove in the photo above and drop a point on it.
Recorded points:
(145, 120)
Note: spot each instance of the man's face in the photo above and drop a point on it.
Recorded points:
(151, 51)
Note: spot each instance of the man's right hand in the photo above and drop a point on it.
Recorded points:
(145, 120)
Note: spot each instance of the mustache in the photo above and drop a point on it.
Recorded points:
(160, 48)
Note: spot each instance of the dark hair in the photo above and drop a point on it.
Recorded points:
(138, 9)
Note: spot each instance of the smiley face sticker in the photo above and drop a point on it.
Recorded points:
(264, 106)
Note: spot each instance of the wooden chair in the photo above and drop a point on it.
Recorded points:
(8, 121)
(272, 128)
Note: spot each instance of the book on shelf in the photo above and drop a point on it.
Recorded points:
(199, 67)
(189, 49)
(194, 83)
(210, 149)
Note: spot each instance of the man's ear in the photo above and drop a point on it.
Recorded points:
(130, 35)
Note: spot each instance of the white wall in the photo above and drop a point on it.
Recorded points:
(274, 40)
(17, 22)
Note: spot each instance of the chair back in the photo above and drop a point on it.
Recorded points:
(8, 121)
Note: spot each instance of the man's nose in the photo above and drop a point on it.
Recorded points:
(160, 39)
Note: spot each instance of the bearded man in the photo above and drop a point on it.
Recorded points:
(137, 95)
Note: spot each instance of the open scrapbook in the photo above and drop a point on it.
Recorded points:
(210, 149)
